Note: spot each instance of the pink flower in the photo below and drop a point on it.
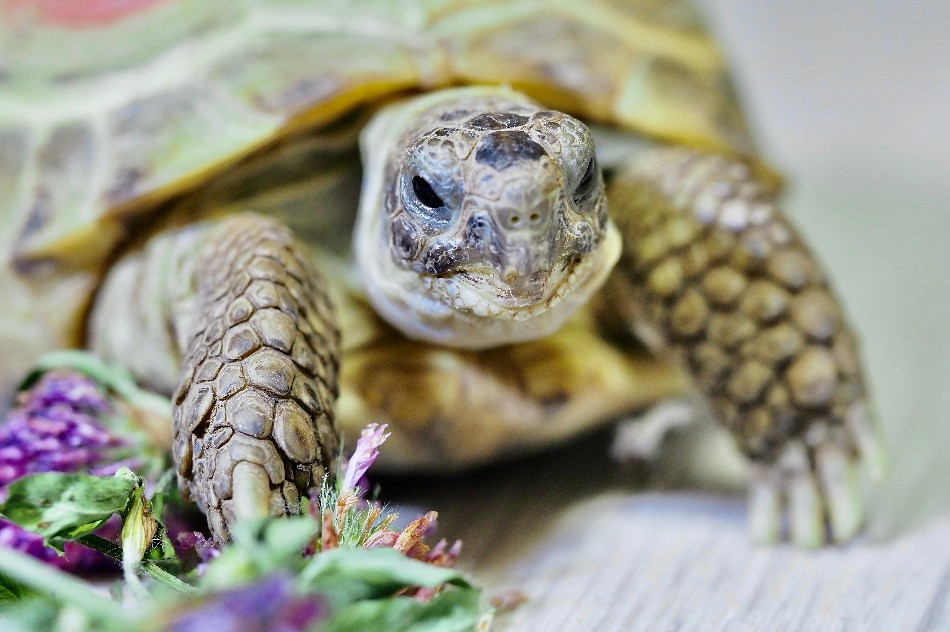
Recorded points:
(363, 456)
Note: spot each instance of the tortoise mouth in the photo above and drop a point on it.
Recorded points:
(485, 295)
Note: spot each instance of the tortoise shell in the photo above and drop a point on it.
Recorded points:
(115, 115)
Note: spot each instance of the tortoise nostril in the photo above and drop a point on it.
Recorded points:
(534, 218)
(514, 220)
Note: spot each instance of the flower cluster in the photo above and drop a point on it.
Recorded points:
(55, 427)
(348, 519)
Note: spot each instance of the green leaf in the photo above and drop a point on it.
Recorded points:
(60, 588)
(347, 575)
(450, 611)
(259, 547)
(151, 568)
(63, 507)
(30, 615)
(164, 549)
(285, 539)
(12, 590)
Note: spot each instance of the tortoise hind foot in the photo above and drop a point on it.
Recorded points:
(813, 492)
(638, 437)
(724, 283)
(253, 414)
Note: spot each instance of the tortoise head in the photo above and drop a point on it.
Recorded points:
(483, 219)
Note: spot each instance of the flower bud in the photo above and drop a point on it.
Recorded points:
(138, 531)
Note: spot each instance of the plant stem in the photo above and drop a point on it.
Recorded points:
(46, 580)
(149, 567)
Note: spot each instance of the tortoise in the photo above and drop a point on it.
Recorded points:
(183, 192)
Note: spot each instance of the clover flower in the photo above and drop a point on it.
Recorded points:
(55, 427)
(346, 518)
(268, 604)
(205, 548)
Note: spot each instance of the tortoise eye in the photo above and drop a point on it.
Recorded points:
(424, 192)
(586, 185)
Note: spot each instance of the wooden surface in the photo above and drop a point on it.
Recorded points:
(598, 546)
(853, 103)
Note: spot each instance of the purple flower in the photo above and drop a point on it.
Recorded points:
(363, 456)
(78, 559)
(13, 537)
(268, 604)
(206, 549)
(55, 428)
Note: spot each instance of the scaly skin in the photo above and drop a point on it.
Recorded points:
(727, 286)
(254, 422)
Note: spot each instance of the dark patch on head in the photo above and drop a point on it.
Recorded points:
(405, 239)
(443, 132)
(502, 149)
(584, 240)
(480, 237)
(496, 120)
(477, 229)
(439, 260)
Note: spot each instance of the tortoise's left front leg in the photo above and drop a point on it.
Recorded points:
(723, 281)
(238, 306)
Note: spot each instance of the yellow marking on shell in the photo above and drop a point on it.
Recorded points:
(690, 49)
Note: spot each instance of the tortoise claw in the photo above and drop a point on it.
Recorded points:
(251, 493)
(837, 472)
(803, 499)
(811, 494)
(765, 507)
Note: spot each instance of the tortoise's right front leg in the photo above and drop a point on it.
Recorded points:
(719, 278)
(249, 317)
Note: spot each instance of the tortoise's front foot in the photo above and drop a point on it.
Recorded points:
(253, 409)
(812, 492)
(726, 285)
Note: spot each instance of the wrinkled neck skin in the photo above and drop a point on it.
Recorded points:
(483, 219)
